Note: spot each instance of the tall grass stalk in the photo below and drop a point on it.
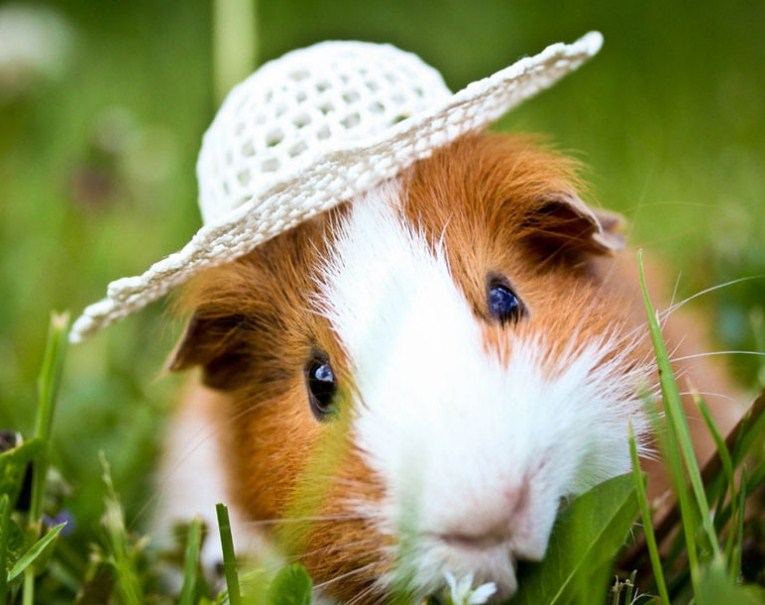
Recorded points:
(234, 43)
(722, 449)
(122, 560)
(229, 557)
(645, 514)
(191, 562)
(5, 517)
(737, 529)
(751, 433)
(47, 388)
(679, 445)
(730, 478)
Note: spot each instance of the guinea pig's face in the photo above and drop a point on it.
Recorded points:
(420, 377)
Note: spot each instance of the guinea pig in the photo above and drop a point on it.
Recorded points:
(422, 374)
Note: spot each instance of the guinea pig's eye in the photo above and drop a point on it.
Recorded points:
(504, 304)
(322, 386)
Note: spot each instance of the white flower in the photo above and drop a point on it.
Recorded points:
(461, 592)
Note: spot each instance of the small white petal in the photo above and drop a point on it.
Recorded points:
(482, 593)
(451, 581)
(463, 589)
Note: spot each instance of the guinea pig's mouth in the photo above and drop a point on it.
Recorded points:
(490, 543)
(490, 556)
(472, 542)
(484, 556)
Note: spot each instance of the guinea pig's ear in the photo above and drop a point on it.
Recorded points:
(218, 345)
(563, 223)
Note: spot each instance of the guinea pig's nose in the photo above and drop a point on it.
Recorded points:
(493, 520)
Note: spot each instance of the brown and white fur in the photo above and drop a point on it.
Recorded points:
(457, 435)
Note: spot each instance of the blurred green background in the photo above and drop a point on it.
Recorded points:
(100, 124)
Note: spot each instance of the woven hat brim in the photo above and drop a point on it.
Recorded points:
(341, 172)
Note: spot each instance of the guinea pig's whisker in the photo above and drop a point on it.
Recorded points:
(560, 251)
(203, 435)
(637, 208)
(199, 438)
(381, 596)
(674, 307)
(331, 548)
(347, 574)
(673, 352)
(366, 592)
(637, 334)
(710, 394)
(309, 519)
(663, 316)
(380, 599)
(660, 241)
(717, 353)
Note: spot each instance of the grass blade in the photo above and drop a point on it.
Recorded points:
(229, 557)
(751, 427)
(586, 536)
(737, 528)
(678, 436)
(722, 448)
(718, 589)
(713, 477)
(47, 388)
(128, 583)
(757, 477)
(629, 593)
(645, 514)
(38, 548)
(191, 562)
(5, 519)
(728, 473)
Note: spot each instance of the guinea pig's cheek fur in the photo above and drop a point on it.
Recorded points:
(343, 550)
(475, 450)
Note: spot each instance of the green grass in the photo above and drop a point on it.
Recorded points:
(97, 169)
(708, 567)
(584, 548)
(191, 563)
(97, 172)
(229, 557)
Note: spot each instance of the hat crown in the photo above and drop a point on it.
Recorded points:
(294, 108)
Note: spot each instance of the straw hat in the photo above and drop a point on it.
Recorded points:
(316, 127)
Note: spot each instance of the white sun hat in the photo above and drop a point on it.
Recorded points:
(317, 127)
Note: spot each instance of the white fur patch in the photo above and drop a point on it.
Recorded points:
(191, 481)
(466, 444)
